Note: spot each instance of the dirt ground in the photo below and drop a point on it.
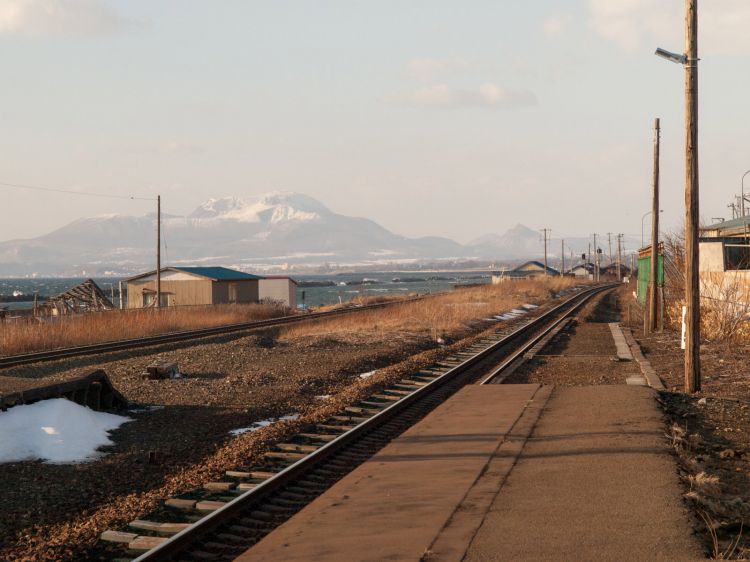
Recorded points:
(583, 354)
(228, 382)
(710, 431)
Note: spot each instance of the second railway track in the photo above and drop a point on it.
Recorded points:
(227, 517)
(185, 335)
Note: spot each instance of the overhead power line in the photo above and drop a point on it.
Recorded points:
(73, 192)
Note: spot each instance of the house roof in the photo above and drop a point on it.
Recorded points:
(216, 273)
(538, 265)
(731, 227)
(587, 266)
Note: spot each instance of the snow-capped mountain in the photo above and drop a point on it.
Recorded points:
(277, 228)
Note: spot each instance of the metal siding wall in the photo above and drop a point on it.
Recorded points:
(220, 292)
(281, 290)
(247, 291)
(185, 292)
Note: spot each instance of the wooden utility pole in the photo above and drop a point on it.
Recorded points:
(545, 231)
(562, 257)
(619, 258)
(653, 296)
(609, 241)
(596, 260)
(158, 251)
(692, 287)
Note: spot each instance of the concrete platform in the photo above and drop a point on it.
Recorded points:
(506, 472)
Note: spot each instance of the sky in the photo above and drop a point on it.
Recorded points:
(431, 117)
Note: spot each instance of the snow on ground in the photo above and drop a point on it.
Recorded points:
(262, 423)
(56, 431)
(368, 374)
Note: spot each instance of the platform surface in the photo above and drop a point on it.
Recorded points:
(505, 472)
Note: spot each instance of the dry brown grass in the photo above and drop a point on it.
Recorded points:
(442, 314)
(447, 313)
(29, 334)
(725, 299)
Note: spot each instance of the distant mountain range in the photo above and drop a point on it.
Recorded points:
(278, 229)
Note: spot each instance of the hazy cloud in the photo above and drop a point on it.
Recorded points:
(59, 18)
(427, 70)
(632, 24)
(489, 96)
(554, 26)
(168, 148)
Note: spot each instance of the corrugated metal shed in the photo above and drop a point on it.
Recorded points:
(216, 273)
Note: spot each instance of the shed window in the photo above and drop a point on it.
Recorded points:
(736, 253)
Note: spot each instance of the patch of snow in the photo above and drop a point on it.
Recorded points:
(262, 423)
(368, 374)
(55, 431)
(519, 312)
(323, 397)
(529, 306)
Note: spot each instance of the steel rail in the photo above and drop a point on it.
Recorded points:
(493, 377)
(191, 535)
(184, 335)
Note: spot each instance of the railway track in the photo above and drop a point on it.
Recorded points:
(226, 517)
(185, 335)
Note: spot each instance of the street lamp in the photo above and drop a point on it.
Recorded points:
(743, 192)
(643, 218)
(689, 60)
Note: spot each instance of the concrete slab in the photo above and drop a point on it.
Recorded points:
(623, 349)
(594, 482)
(393, 506)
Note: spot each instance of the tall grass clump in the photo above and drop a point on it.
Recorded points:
(35, 334)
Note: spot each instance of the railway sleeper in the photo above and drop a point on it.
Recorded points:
(234, 539)
(408, 388)
(222, 548)
(288, 503)
(306, 488)
(306, 485)
(414, 382)
(337, 428)
(133, 541)
(355, 419)
(370, 403)
(277, 511)
(326, 437)
(220, 486)
(296, 447)
(286, 456)
(250, 474)
(158, 527)
(294, 496)
(397, 392)
(362, 410)
(387, 396)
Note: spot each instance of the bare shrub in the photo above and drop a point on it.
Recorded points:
(725, 299)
